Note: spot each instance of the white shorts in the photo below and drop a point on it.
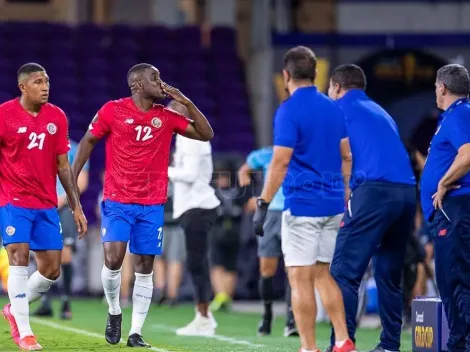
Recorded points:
(306, 240)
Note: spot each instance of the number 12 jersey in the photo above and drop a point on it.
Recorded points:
(137, 150)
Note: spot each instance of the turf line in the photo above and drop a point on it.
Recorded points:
(82, 332)
(231, 340)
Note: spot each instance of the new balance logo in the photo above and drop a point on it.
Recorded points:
(129, 121)
(22, 130)
(21, 295)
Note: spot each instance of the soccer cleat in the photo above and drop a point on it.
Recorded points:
(66, 313)
(45, 310)
(136, 340)
(113, 329)
(329, 349)
(348, 346)
(221, 301)
(290, 330)
(264, 327)
(379, 349)
(15, 334)
(200, 326)
(29, 343)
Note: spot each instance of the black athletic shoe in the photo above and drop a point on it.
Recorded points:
(329, 349)
(136, 340)
(290, 330)
(45, 310)
(264, 327)
(66, 313)
(378, 349)
(113, 329)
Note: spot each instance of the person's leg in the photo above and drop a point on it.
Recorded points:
(116, 227)
(269, 251)
(300, 237)
(197, 223)
(330, 294)
(127, 276)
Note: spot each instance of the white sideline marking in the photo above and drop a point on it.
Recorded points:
(231, 340)
(82, 332)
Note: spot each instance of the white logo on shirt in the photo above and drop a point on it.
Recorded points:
(129, 121)
(22, 130)
(51, 128)
(10, 230)
(103, 231)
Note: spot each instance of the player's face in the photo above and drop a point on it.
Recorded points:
(333, 90)
(35, 87)
(440, 91)
(151, 84)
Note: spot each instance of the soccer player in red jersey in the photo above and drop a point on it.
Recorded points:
(139, 134)
(33, 151)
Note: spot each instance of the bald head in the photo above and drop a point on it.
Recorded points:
(174, 105)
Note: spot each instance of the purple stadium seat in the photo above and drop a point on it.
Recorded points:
(156, 35)
(5, 96)
(124, 32)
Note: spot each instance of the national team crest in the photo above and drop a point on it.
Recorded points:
(156, 122)
(51, 128)
(10, 230)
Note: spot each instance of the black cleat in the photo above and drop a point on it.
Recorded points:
(113, 329)
(264, 327)
(290, 330)
(136, 340)
(329, 349)
(379, 349)
(45, 310)
(66, 313)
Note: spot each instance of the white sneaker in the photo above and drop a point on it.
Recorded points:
(214, 322)
(200, 326)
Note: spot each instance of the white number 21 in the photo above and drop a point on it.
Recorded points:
(145, 131)
(37, 140)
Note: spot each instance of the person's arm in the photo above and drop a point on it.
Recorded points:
(459, 168)
(64, 171)
(244, 173)
(199, 128)
(346, 165)
(276, 172)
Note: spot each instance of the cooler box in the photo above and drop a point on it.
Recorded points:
(429, 325)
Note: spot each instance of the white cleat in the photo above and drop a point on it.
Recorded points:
(200, 326)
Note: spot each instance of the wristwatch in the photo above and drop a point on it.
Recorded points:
(261, 203)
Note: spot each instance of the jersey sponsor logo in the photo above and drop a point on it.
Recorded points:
(22, 129)
(156, 122)
(10, 230)
(129, 121)
(51, 128)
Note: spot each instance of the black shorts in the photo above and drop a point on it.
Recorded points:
(68, 227)
(225, 243)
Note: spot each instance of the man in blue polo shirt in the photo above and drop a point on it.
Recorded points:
(308, 131)
(269, 245)
(381, 209)
(445, 199)
(69, 234)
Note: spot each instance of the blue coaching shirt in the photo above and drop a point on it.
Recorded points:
(71, 155)
(311, 124)
(260, 159)
(452, 132)
(377, 150)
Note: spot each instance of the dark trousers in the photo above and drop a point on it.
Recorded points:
(377, 225)
(452, 259)
(197, 224)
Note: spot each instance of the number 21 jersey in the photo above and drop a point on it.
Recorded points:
(29, 146)
(137, 150)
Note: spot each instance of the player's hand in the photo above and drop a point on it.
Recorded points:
(438, 197)
(259, 218)
(244, 179)
(81, 222)
(175, 93)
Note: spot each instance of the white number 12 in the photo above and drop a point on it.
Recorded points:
(34, 138)
(147, 131)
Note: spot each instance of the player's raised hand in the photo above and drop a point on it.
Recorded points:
(81, 222)
(174, 93)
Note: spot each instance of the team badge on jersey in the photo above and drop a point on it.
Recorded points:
(51, 128)
(156, 122)
(10, 230)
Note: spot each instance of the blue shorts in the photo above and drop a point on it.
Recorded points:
(39, 227)
(142, 225)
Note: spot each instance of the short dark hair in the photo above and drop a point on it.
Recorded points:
(29, 68)
(301, 64)
(349, 76)
(455, 78)
(135, 70)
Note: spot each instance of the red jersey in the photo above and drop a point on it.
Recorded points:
(29, 146)
(137, 150)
